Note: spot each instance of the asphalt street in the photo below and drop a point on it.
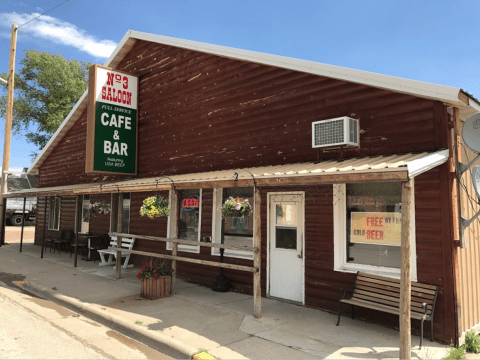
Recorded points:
(34, 328)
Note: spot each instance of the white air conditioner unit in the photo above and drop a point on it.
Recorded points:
(338, 132)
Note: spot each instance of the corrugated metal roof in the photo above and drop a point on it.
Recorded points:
(409, 164)
(446, 94)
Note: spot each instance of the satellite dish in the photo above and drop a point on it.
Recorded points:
(471, 132)
(476, 179)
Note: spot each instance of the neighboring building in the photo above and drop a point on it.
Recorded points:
(15, 213)
(207, 112)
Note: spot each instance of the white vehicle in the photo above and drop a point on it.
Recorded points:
(14, 212)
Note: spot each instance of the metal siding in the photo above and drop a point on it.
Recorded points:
(468, 258)
(240, 114)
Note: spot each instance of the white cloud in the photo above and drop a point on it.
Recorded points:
(60, 32)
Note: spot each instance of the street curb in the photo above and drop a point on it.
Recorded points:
(158, 341)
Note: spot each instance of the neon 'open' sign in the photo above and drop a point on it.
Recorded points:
(191, 203)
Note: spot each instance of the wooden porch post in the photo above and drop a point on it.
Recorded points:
(44, 225)
(175, 245)
(257, 255)
(405, 274)
(119, 239)
(76, 224)
(23, 223)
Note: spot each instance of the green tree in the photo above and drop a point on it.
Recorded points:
(46, 88)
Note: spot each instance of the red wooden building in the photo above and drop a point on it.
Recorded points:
(215, 121)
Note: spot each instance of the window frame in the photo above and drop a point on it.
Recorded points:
(129, 209)
(81, 214)
(340, 239)
(55, 211)
(172, 222)
(217, 230)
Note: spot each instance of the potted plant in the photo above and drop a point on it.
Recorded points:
(235, 207)
(155, 280)
(99, 208)
(155, 206)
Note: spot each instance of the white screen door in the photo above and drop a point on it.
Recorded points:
(286, 273)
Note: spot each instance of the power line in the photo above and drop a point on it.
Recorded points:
(43, 14)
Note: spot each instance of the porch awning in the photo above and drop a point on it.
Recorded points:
(399, 167)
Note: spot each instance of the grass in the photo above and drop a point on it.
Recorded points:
(456, 353)
(472, 345)
(472, 342)
(138, 322)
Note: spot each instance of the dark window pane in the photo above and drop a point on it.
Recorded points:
(376, 255)
(286, 238)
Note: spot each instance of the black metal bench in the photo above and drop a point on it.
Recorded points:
(383, 294)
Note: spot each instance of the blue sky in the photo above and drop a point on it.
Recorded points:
(433, 41)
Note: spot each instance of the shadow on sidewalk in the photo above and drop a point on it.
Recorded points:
(221, 323)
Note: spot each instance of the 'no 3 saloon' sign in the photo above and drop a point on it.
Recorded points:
(112, 122)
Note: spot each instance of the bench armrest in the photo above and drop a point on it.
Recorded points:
(344, 289)
(424, 305)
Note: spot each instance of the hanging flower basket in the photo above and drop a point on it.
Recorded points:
(99, 208)
(238, 207)
(155, 206)
(155, 280)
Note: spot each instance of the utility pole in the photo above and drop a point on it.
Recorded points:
(8, 130)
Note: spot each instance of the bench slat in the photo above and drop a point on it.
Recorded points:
(396, 284)
(413, 296)
(380, 296)
(379, 307)
(420, 285)
(393, 303)
(428, 297)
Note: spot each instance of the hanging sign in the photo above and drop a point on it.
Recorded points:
(379, 228)
(112, 122)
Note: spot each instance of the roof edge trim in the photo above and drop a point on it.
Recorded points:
(444, 93)
(419, 166)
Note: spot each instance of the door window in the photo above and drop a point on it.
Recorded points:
(286, 226)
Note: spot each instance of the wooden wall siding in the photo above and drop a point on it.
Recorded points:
(39, 222)
(468, 258)
(67, 218)
(145, 226)
(100, 224)
(321, 281)
(434, 245)
(200, 112)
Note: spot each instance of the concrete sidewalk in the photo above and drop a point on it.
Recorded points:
(197, 318)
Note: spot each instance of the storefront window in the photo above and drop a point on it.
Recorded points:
(189, 214)
(367, 228)
(54, 213)
(237, 230)
(374, 224)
